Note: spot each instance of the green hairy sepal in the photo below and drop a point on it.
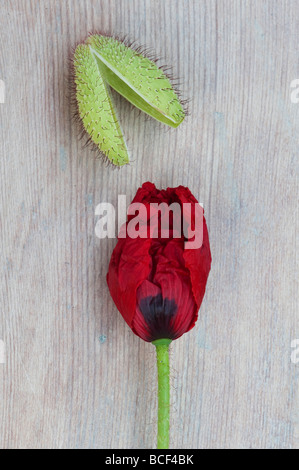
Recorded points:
(96, 109)
(104, 62)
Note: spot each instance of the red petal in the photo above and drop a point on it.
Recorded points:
(130, 265)
(174, 279)
(198, 262)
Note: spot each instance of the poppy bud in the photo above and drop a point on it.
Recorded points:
(158, 279)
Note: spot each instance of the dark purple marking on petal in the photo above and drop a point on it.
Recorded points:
(158, 314)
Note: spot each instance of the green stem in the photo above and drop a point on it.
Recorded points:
(162, 349)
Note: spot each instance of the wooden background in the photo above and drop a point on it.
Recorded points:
(75, 376)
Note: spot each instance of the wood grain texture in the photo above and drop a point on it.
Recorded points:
(75, 376)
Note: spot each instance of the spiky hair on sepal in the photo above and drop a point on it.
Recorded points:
(103, 62)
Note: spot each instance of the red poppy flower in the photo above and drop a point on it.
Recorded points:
(156, 282)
